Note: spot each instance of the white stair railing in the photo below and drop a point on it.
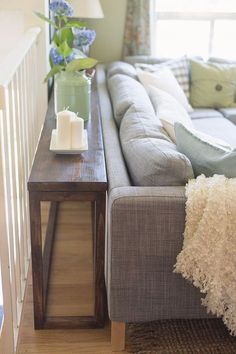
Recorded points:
(20, 127)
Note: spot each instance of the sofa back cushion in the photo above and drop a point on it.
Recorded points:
(168, 110)
(126, 91)
(218, 60)
(121, 67)
(147, 59)
(151, 157)
(116, 168)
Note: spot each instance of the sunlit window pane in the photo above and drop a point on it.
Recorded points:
(196, 5)
(223, 39)
(174, 38)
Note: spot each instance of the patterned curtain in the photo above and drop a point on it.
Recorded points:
(137, 29)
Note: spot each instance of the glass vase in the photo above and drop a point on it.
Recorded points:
(72, 91)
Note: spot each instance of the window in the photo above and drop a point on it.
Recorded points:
(194, 27)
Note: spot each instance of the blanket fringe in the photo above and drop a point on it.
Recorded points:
(208, 258)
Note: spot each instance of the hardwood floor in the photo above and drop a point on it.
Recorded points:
(70, 290)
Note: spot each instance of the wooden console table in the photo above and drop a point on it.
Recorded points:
(57, 178)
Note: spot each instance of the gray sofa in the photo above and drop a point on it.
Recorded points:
(145, 228)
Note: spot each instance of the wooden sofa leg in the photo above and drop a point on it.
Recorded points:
(118, 336)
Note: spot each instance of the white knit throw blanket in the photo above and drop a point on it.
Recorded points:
(208, 257)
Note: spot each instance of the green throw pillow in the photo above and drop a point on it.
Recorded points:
(212, 85)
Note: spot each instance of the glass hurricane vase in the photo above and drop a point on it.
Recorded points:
(72, 91)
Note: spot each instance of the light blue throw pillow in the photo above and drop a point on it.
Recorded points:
(207, 155)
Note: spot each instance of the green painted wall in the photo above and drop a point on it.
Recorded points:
(110, 31)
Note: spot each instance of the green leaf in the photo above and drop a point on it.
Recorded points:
(55, 69)
(64, 19)
(50, 61)
(64, 49)
(45, 18)
(66, 34)
(76, 24)
(56, 39)
(81, 64)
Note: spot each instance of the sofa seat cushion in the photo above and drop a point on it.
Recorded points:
(202, 113)
(126, 91)
(219, 128)
(229, 113)
(152, 158)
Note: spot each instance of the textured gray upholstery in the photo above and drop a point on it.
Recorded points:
(220, 128)
(152, 158)
(221, 60)
(148, 59)
(229, 113)
(116, 169)
(145, 233)
(203, 113)
(144, 59)
(144, 237)
(124, 92)
(120, 67)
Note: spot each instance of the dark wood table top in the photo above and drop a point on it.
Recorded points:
(85, 172)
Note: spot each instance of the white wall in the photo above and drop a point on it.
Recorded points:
(14, 31)
(110, 31)
(26, 10)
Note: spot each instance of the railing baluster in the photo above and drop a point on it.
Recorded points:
(7, 161)
(19, 181)
(20, 130)
(24, 163)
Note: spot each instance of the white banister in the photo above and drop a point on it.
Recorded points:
(20, 128)
(13, 60)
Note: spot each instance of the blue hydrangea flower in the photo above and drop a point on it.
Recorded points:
(71, 57)
(83, 37)
(61, 8)
(58, 59)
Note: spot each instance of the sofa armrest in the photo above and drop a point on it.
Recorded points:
(145, 234)
(156, 193)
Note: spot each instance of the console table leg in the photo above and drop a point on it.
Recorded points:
(48, 247)
(37, 261)
(99, 244)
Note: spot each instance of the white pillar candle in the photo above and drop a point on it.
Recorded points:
(64, 129)
(77, 132)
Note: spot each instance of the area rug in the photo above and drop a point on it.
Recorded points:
(208, 336)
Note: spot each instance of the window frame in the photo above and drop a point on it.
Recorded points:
(188, 16)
